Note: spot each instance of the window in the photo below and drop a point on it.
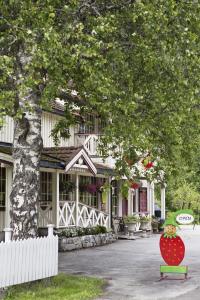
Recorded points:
(93, 184)
(87, 126)
(45, 188)
(66, 187)
(101, 125)
(2, 188)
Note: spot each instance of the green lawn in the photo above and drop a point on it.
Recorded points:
(61, 287)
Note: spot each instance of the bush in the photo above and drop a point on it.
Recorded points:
(131, 219)
(79, 231)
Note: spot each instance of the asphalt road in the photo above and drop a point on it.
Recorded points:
(131, 268)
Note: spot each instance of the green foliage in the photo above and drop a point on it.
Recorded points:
(105, 188)
(67, 186)
(185, 197)
(80, 231)
(136, 64)
(145, 219)
(125, 189)
(66, 287)
(131, 219)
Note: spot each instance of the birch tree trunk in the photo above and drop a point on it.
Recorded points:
(27, 146)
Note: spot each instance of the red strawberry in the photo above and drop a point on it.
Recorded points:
(172, 249)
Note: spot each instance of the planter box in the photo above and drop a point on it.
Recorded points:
(131, 226)
(145, 225)
(86, 241)
(116, 226)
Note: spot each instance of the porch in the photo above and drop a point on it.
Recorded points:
(70, 192)
(63, 208)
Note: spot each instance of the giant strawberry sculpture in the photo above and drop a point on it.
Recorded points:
(172, 247)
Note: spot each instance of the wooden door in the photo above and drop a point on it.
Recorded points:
(143, 199)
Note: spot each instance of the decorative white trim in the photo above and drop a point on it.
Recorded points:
(81, 153)
(6, 157)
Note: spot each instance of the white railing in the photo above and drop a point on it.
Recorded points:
(86, 216)
(45, 214)
(27, 260)
(67, 214)
(89, 141)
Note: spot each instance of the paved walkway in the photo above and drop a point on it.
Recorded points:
(132, 268)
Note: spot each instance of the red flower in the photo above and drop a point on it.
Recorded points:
(149, 165)
(135, 185)
(91, 188)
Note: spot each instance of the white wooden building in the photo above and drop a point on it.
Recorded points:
(75, 161)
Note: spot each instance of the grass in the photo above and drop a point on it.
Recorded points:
(61, 287)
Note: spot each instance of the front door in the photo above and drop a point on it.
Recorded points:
(143, 199)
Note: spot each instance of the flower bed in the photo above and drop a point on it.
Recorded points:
(78, 238)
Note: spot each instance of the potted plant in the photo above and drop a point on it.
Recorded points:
(66, 186)
(91, 188)
(145, 222)
(155, 224)
(147, 163)
(125, 189)
(116, 227)
(131, 221)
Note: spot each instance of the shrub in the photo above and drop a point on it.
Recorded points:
(145, 218)
(79, 231)
(131, 219)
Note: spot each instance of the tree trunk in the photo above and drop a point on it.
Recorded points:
(27, 146)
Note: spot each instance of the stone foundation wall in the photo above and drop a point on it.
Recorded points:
(86, 241)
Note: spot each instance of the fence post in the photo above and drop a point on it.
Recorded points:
(8, 234)
(50, 230)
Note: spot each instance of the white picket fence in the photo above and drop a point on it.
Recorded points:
(28, 260)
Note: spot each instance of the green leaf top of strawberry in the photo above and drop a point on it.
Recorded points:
(166, 235)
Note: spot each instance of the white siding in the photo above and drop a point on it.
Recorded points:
(48, 122)
(6, 132)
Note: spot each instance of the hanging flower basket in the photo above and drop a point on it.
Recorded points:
(99, 186)
(83, 187)
(135, 185)
(147, 163)
(66, 186)
(91, 188)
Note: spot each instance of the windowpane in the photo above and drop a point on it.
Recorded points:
(45, 188)
(88, 125)
(2, 187)
(66, 187)
(89, 192)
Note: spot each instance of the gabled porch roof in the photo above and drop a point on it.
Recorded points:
(72, 157)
